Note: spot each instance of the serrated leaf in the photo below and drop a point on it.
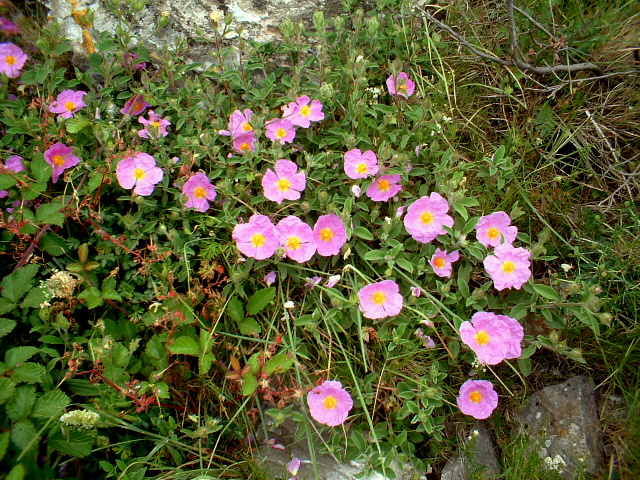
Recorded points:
(76, 124)
(28, 373)
(205, 363)
(249, 384)
(249, 327)
(16, 284)
(363, 233)
(21, 403)
(77, 444)
(277, 364)
(7, 389)
(24, 434)
(185, 346)
(36, 297)
(7, 181)
(546, 291)
(6, 326)
(18, 355)
(40, 169)
(31, 191)
(260, 300)
(4, 443)
(92, 297)
(50, 213)
(18, 472)
(51, 404)
(6, 306)
(54, 244)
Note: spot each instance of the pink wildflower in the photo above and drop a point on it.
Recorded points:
(12, 59)
(441, 262)
(245, 143)
(477, 398)
(8, 27)
(270, 278)
(415, 291)
(426, 217)
(154, 127)
(380, 300)
(297, 239)
(400, 84)
(329, 234)
(384, 188)
(67, 103)
(135, 106)
(60, 157)
(332, 281)
(494, 229)
(14, 163)
(360, 165)
(285, 183)
(129, 61)
(508, 267)
(301, 114)
(329, 403)
(492, 337)
(239, 124)
(280, 130)
(257, 238)
(140, 173)
(200, 192)
(293, 466)
(312, 282)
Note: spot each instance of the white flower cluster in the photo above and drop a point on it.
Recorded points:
(80, 418)
(556, 463)
(61, 284)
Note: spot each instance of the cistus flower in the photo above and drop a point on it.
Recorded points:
(441, 262)
(12, 59)
(68, 103)
(14, 163)
(199, 191)
(494, 229)
(301, 114)
(154, 127)
(426, 216)
(401, 85)
(8, 27)
(256, 238)
(329, 403)
(270, 278)
(329, 234)
(60, 157)
(296, 237)
(380, 300)
(245, 143)
(360, 165)
(383, 188)
(293, 466)
(280, 130)
(135, 106)
(285, 183)
(477, 398)
(492, 337)
(239, 124)
(140, 173)
(508, 267)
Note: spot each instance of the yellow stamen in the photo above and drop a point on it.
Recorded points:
(199, 192)
(379, 298)
(383, 185)
(70, 106)
(426, 218)
(10, 59)
(326, 234)
(257, 240)
(283, 184)
(281, 133)
(361, 168)
(293, 243)
(439, 262)
(493, 233)
(139, 174)
(246, 127)
(305, 111)
(330, 403)
(508, 267)
(482, 337)
(58, 160)
(475, 397)
(245, 147)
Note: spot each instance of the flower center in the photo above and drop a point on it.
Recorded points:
(10, 59)
(70, 106)
(305, 111)
(245, 147)
(139, 174)
(326, 234)
(426, 218)
(257, 240)
(475, 397)
(293, 243)
(281, 133)
(58, 160)
(493, 232)
(155, 124)
(402, 87)
(283, 184)
(379, 298)
(330, 402)
(439, 262)
(482, 337)
(246, 127)
(199, 192)
(361, 168)
(508, 267)
(383, 185)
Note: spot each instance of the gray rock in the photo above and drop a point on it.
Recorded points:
(562, 426)
(478, 459)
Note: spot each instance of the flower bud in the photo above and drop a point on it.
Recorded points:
(605, 319)
(326, 92)
(137, 5)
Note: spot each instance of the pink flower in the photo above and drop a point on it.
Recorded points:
(154, 127)
(285, 183)
(14, 163)
(312, 282)
(426, 217)
(441, 262)
(477, 398)
(270, 278)
(67, 103)
(200, 192)
(280, 130)
(494, 229)
(415, 291)
(239, 124)
(8, 27)
(135, 106)
(60, 157)
(508, 267)
(360, 165)
(257, 238)
(245, 143)
(296, 237)
(139, 171)
(329, 403)
(12, 59)
(293, 466)
(400, 84)
(301, 114)
(332, 281)
(380, 300)
(329, 234)
(129, 60)
(492, 337)
(384, 188)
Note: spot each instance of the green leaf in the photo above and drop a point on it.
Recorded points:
(50, 213)
(92, 296)
(527, 352)
(36, 297)
(7, 389)
(51, 404)
(42, 73)
(20, 405)
(547, 292)
(7, 181)
(95, 61)
(185, 346)
(78, 444)
(17, 473)
(6, 326)
(6, 306)
(4, 443)
(458, 207)
(84, 388)
(249, 384)
(405, 264)
(277, 364)
(53, 244)
(18, 355)
(205, 363)
(16, 284)
(260, 300)
(363, 233)
(33, 190)
(525, 366)
(40, 169)
(375, 255)
(24, 434)
(76, 124)
(28, 373)
(249, 327)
